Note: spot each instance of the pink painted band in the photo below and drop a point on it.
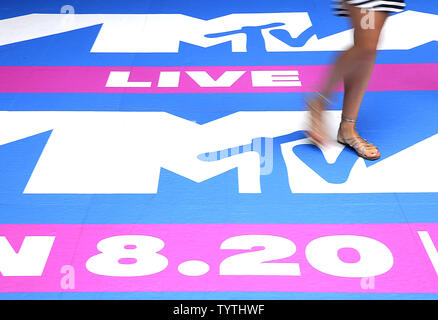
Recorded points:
(92, 79)
(412, 270)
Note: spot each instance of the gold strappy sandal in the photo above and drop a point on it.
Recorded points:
(358, 144)
(316, 115)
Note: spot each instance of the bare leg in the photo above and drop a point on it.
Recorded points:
(355, 67)
(356, 83)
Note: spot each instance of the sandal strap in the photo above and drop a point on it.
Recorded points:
(344, 119)
(359, 144)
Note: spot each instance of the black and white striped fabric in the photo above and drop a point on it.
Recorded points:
(376, 5)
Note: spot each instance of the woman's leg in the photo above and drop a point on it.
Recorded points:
(356, 80)
(354, 66)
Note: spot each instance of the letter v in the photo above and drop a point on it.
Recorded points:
(30, 260)
(227, 79)
(430, 248)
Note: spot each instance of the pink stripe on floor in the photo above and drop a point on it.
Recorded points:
(91, 79)
(411, 271)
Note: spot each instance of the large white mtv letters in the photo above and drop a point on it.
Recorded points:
(148, 33)
(123, 152)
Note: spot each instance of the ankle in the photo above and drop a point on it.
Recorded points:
(347, 128)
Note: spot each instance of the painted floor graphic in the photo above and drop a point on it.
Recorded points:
(156, 150)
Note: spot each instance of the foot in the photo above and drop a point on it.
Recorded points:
(316, 131)
(348, 136)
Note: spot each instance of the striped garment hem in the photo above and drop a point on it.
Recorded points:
(374, 5)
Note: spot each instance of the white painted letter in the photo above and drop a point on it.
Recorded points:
(169, 79)
(31, 258)
(279, 78)
(227, 79)
(120, 79)
(375, 257)
(430, 248)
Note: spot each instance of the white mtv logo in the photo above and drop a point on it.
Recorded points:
(123, 152)
(273, 32)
